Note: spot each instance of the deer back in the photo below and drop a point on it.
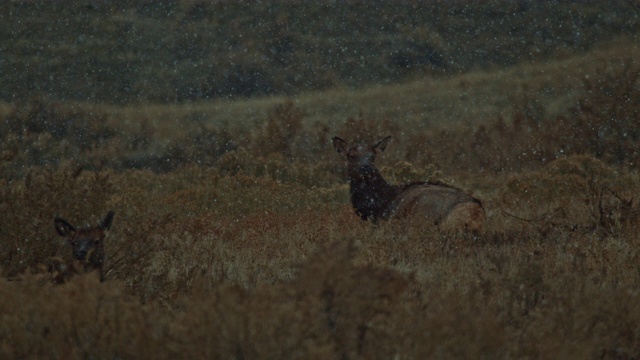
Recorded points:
(442, 205)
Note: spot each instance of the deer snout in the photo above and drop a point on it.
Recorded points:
(80, 254)
(83, 251)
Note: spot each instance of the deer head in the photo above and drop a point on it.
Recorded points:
(87, 243)
(360, 158)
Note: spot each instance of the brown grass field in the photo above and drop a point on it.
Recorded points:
(234, 238)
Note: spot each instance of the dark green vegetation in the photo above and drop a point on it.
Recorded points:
(233, 236)
(170, 50)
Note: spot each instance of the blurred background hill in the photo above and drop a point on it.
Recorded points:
(175, 51)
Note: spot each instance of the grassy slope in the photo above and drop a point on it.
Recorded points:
(472, 98)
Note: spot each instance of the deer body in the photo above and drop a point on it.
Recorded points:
(87, 243)
(375, 199)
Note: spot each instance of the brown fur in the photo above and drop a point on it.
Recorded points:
(374, 198)
(87, 243)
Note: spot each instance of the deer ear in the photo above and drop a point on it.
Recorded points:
(63, 227)
(382, 144)
(339, 144)
(106, 222)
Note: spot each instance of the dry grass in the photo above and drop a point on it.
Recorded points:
(246, 246)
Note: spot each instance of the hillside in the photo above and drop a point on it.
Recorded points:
(457, 108)
(174, 51)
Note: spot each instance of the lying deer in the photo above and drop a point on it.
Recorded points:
(87, 243)
(375, 199)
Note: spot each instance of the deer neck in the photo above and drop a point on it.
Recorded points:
(371, 194)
